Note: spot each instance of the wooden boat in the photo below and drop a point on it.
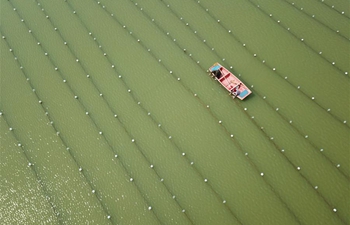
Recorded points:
(232, 84)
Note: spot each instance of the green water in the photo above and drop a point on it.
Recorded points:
(108, 115)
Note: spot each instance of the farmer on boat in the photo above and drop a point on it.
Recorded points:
(235, 91)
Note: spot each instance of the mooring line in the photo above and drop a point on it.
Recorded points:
(58, 133)
(155, 57)
(141, 107)
(274, 69)
(315, 18)
(129, 136)
(330, 62)
(122, 124)
(191, 91)
(270, 67)
(335, 9)
(294, 166)
(283, 117)
(123, 165)
(42, 184)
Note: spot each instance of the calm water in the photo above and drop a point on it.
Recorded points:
(108, 115)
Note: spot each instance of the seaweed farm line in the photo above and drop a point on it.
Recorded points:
(108, 115)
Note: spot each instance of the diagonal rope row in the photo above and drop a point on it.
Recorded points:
(97, 128)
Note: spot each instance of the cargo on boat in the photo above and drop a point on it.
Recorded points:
(232, 84)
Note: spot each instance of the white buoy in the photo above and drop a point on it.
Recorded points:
(262, 174)
(19, 145)
(101, 94)
(80, 169)
(131, 179)
(151, 166)
(100, 132)
(335, 210)
(321, 150)
(132, 140)
(205, 180)
(10, 129)
(87, 75)
(46, 54)
(93, 191)
(149, 207)
(183, 211)
(192, 163)
(56, 68)
(76, 97)
(169, 137)
(108, 217)
(220, 121)
(115, 156)
(183, 154)
(77, 60)
(174, 196)
(306, 136)
(282, 150)
(316, 187)
(115, 115)
(232, 135)
(246, 154)
(298, 168)
(338, 165)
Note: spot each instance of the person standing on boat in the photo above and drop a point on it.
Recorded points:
(235, 91)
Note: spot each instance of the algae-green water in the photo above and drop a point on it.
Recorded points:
(108, 115)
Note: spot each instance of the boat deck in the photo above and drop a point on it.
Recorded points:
(230, 81)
